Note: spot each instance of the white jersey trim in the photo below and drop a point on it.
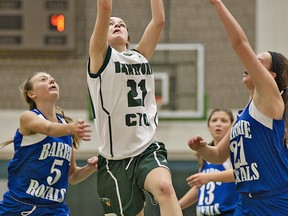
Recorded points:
(227, 164)
(32, 139)
(258, 116)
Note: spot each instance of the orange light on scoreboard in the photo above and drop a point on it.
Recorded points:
(57, 22)
(37, 25)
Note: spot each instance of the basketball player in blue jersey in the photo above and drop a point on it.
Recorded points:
(258, 139)
(213, 188)
(43, 161)
(121, 86)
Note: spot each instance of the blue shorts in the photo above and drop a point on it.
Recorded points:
(274, 203)
(12, 207)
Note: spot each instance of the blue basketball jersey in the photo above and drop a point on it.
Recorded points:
(38, 172)
(258, 152)
(216, 198)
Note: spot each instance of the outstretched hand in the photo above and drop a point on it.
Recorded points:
(198, 179)
(196, 143)
(92, 162)
(81, 129)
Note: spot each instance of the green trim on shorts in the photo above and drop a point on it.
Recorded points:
(120, 183)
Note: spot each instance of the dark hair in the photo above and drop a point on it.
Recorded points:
(27, 86)
(280, 64)
(231, 117)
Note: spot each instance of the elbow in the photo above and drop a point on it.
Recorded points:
(238, 44)
(72, 177)
(49, 130)
(158, 19)
(222, 158)
(72, 180)
(160, 22)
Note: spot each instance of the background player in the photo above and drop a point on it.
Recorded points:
(44, 160)
(213, 188)
(258, 146)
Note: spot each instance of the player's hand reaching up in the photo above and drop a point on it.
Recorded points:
(196, 143)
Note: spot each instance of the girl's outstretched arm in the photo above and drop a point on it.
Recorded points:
(266, 95)
(189, 198)
(78, 174)
(152, 33)
(214, 154)
(30, 123)
(98, 41)
(200, 179)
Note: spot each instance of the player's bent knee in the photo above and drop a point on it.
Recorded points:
(166, 187)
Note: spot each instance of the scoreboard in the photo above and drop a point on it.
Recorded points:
(37, 25)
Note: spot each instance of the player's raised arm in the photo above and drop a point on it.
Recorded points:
(152, 33)
(98, 41)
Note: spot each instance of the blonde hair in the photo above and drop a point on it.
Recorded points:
(24, 88)
(3, 144)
